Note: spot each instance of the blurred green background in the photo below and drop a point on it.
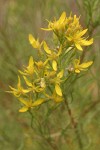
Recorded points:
(18, 18)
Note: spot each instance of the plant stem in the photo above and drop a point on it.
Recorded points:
(32, 117)
(74, 124)
(53, 146)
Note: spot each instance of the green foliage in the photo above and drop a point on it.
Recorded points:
(93, 12)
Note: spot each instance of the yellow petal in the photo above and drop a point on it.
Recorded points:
(23, 73)
(23, 101)
(23, 109)
(19, 82)
(12, 88)
(31, 39)
(77, 70)
(60, 74)
(31, 62)
(27, 81)
(62, 17)
(75, 18)
(78, 46)
(47, 29)
(69, 38)
(81, 33)
(46, 48)
(58, 90)
(26, 91)
(87, 42)
(54, 65)
(33, 42)
(38, 102)
(58, 99)
(87, 64)
(9, 92)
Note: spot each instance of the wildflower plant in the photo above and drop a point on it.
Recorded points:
(49, 79)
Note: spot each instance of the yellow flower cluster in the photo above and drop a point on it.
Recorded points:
(44, 80)
(71, 30)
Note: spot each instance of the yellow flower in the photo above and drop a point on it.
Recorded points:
(74, 34)
(29, 69)
(29, 104)
(57, 25)
(40, 85)
(19, 91)
(41, 65)
(79, 67)
(52, 55)
(58, 89)
(57, 80)
(35, 43)
(49, 74)
(55, 97)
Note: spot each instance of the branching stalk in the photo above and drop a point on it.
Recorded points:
(74, 125)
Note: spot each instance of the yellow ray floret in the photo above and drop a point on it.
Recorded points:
(81, 67)
(35, 43)
(32, 87)
(58, 90)
(57, 82)
(29, 104)
(55, 97)
(19, 90)
(57, 24)
(52, 55)
(75, 34)
(29, 70)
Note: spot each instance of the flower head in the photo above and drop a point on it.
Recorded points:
(57, 81)
(81, 67)
(29, 104)
(29, 70)
(37, 86)
(35, 43)
(74, 34)
(52, 55)
(56, 97)
(42, 65)
(49, 77)
(19, 90)
(57, 25)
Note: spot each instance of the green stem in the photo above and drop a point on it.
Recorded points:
(53, 146)
(74, 124)
(32, 117)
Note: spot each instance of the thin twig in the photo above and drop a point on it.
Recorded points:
(32, 117)
(53, 146)
(74, 124)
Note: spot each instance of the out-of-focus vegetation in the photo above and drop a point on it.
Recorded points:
(18, 19)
